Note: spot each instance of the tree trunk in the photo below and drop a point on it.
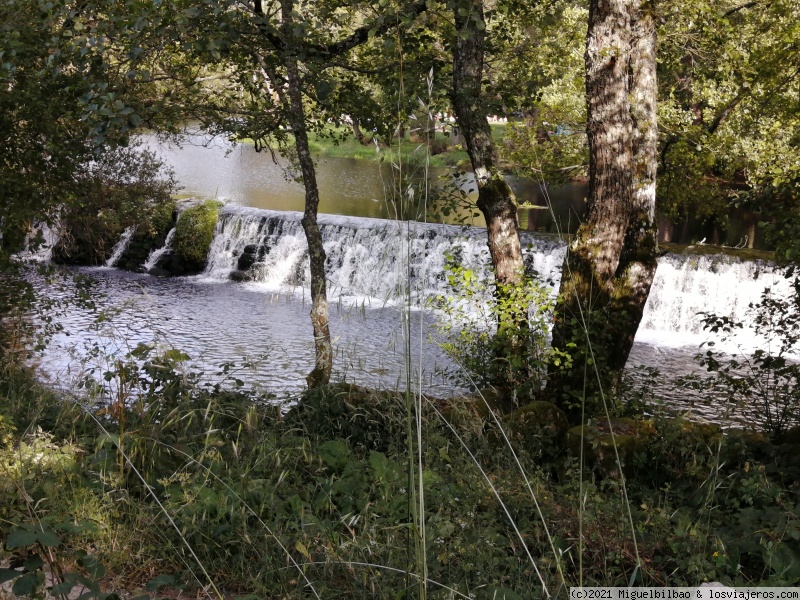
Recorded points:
(638, 260)
(495, 199)
(610, 265)
(321, 373)
(359, 135)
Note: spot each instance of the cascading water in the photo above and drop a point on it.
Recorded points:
(39, 243)
(371, 264)
(156, 254)
(365, 257)
(120, 247)
(364, 261)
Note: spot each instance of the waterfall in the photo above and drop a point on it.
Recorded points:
(686, 285)
(366, 258)
(373, 259)
(120, 246)
(156, 254)
(39, 242)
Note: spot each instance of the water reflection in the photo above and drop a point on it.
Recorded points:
(216, 168)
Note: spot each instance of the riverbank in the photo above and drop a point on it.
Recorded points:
(341, 143)
(181, 489)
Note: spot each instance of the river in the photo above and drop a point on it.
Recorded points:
(261, 329)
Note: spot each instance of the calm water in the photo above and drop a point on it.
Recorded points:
(215, 168)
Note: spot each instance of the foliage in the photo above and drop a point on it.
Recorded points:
(177, 477)
(781, 214)
(125, 188)
(195, 230)
(75, 81)
(766, 382)
(548, 141)
(482, 336)
(728, 109)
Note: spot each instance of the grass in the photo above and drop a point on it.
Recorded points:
(338, 142)
(203, 489)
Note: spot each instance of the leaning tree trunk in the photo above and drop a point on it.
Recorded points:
(359, 135)
(321, 373)
(611, 261)
(495, 199)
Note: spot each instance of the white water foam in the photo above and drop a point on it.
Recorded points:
(152, 259)
(120, 247)
(370, 261)
(42, 238)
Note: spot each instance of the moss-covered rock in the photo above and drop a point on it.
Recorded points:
(599, 440)
(194, 232)
(478, 405)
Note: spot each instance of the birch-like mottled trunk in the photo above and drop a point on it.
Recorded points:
(495, 199)
(323, 366)
(611, 261)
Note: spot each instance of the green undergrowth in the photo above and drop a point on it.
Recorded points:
(219, 490)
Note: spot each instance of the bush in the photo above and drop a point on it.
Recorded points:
(496, 337)
(767, 382)
(195, 230)
(128, 187)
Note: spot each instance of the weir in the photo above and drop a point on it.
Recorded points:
(374, 259)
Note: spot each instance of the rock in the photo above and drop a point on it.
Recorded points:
(500, 402)
(159, 272)
(245, 261)
(241, 276)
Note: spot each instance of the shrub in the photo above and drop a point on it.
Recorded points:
(127, 187)
(767, 382)
(485, 336)
(195, 230)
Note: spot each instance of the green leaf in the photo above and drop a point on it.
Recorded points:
(26, 585)
(48, 538)
(92, 566)
(33, 563)
(8, 575)
(20, 538)
(63, 588)
(159, 581)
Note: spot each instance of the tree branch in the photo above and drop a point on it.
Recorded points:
(358, 37)
(736, 9)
